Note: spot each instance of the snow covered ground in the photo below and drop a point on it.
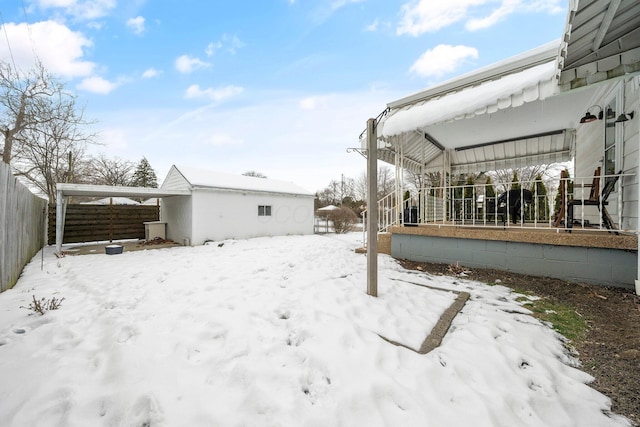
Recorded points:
(275, 332)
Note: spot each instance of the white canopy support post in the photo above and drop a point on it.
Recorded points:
(372, 208)
(61, 207)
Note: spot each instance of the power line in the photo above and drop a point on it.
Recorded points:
(33, 45)
(6, 36)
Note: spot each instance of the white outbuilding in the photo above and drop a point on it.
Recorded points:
(226, 206)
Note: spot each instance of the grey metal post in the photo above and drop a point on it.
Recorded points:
(372, 208)
(59, 221)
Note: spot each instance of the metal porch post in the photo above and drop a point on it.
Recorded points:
(372, 208)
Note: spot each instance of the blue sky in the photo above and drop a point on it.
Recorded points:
(282, 87)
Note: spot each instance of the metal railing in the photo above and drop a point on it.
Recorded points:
(571, 203)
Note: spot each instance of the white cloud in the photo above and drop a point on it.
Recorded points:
(326, 9)
(217, 95)
(97, 85)
(506, 8)
(114, 139)
(187, 64)
(373, 27)
(80, 9)
(338, 4)
(314, 102)
(218, 140)
(442, 59)
(423, 16)
(150, 73)
(136, 24)
(228, 42)
(212, 48)
(59, 48)
(234, 43)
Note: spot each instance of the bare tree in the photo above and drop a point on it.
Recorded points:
(360, 187)
(330, 195)
(53, 150)
(254, 174)
(386, 184)
(42, 129)
(526, 176)
(386, 181)
(106, 171)
(24, 100)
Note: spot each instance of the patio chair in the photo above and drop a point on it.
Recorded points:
(596, 200)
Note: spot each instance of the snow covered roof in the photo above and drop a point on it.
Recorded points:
(510, 114)
(66, 189)
(509, 91)
(524, 78)
(523, 61)
(328, 208)
(113, 200)
(211, 179)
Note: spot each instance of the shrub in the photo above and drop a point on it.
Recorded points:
(343, 220)
(42, 305)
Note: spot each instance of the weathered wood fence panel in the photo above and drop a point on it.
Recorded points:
(22, 226)
(92, 223)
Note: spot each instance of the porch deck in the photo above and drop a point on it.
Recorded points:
(514, 233)
(587, 256)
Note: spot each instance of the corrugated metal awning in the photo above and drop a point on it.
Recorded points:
(508, 91)
(601, 40)
(515, 119)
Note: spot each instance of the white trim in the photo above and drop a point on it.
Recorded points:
(109, 190)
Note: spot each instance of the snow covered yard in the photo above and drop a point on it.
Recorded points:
(275, 332)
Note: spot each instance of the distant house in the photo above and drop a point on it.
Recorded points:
(225, 206)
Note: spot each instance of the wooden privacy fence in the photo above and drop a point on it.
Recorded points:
(22, 226)
(91, 223)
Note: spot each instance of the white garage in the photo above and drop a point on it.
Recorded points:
(225, 206)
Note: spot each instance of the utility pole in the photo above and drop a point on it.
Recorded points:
(341, 189)
(372, 208)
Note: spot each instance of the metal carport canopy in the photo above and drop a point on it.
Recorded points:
(65, 190)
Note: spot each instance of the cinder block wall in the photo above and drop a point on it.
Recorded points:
(612, 267)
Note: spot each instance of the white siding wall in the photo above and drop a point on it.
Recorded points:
(631, 147)
(589, 148)
(176, 212)
(590, 151)
(589, 155)
(219, 215)
(175, 181)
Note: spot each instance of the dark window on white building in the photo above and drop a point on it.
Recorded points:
(264, 210)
